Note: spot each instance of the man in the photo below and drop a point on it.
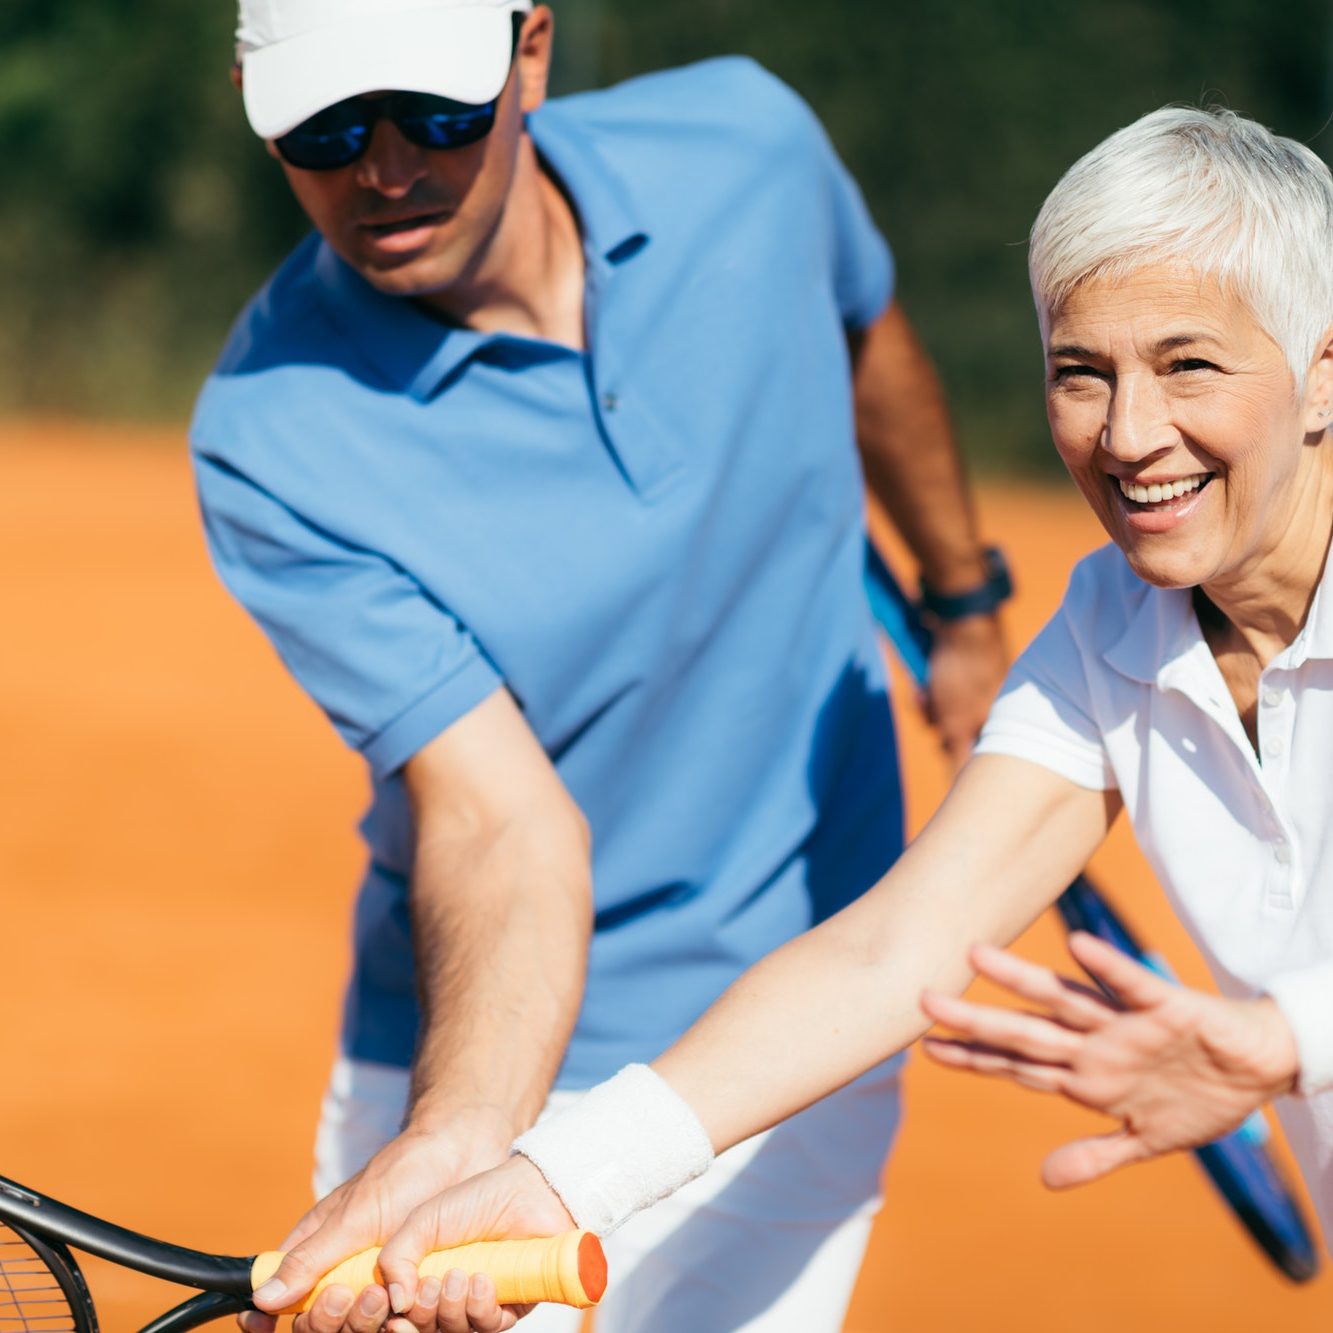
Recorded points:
(536, 464)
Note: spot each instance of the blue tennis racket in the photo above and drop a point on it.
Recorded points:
(1239, 1164)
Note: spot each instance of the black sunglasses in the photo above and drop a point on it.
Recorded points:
(340, 134)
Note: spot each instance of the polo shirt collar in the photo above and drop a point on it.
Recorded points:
(1161, 632)
(412, 351)
(416, 353)
(1316, 636)
(1162, 638)
(608, 217)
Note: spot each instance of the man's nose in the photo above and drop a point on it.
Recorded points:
(391, 164)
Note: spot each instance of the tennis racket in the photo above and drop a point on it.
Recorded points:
(42, 1289)
(1239, 1164)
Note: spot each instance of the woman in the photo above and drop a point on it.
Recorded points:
(1183, 277)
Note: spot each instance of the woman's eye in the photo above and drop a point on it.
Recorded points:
(1190, 363)
(1064, 374)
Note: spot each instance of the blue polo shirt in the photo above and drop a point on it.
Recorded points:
(654, 545)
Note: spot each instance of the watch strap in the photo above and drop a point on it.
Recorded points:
(982, 600)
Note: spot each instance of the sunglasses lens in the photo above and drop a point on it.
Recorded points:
(439, 122)
(333, 138)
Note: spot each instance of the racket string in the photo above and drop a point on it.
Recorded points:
(31, 1297)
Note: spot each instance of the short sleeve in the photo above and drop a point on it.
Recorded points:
(389, 665)
(863, 269)
(1043, 713)
(1305, 998)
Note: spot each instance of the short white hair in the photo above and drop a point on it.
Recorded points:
(1207, 189)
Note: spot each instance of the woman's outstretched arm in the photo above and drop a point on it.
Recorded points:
(804, 1021)
(831, 1003)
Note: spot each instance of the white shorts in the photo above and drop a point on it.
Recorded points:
(770, 1240)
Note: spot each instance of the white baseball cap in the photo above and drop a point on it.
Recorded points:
(300, 56)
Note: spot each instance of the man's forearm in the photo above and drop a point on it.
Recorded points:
(914, 472)
(500, 929)
(912, 464)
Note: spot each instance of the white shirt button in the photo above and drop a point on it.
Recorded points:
(1272, 698)
(1274, 746)
(1282, 855)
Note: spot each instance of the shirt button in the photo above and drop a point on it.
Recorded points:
(1282, 855)
(610, 401)
(1272, 698)
(1274, 746)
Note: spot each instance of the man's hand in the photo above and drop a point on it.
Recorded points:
(501, 905)
(367, 1210)
(510, 1201)
(968, 662)
(1177, 1067)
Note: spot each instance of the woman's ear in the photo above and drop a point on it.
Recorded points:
(1319, 388)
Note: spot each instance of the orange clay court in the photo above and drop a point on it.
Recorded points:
(178, 856)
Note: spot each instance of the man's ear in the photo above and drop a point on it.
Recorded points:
(534, 57)
(236, 77)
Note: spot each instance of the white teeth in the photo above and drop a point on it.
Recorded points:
(1157, 491)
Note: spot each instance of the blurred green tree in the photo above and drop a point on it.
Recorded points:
(139, 213)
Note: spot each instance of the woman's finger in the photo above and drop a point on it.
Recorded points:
(452, 1311)
(1085, 1160)
(1030, 1036)
(978, 1059)
(422, 1317)
(1075, 1005)
(484, 1315)
(1136, 986)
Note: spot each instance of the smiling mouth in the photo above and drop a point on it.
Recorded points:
(1162, 494)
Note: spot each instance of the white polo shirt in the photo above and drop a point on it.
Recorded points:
(1120, 690)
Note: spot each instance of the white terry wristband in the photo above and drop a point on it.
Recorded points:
(623, 1145)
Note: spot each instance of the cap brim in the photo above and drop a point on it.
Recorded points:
(463, 53)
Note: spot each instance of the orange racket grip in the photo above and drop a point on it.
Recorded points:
(568, 1269)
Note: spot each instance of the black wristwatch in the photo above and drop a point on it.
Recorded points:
(982, 600)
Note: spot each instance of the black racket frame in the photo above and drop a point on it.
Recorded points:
(53, 1228)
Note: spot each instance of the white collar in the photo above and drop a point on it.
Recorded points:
(1162, 640)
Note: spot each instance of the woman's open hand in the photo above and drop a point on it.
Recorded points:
(1175, 1066)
